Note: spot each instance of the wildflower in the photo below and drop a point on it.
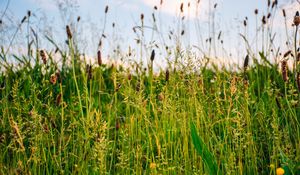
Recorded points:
(279, 171)
(53, 79)
(272, 166)
(152, 165)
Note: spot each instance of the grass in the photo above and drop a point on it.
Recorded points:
(73, 118)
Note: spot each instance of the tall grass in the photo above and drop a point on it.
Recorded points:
(76, 118)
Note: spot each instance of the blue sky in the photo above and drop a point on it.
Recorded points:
(229, 16)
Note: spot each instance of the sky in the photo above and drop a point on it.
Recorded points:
(50, 18)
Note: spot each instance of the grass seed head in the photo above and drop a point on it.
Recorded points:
(297, 19)
(106, 9)
(274, 3)
(43, 55)
(167, 75)
(152, 55)
(99, 58)
(181, 7)
(69, 33)
(284, 70)
(89, 71)
(263, 20)
(286, 54)
(283, 13)
(246, 62)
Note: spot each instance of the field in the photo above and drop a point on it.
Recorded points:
(75, 117)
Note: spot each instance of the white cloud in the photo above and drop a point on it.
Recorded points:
(172, 7)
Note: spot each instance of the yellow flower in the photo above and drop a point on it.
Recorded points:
(272, 166)
(279, 171)
(152, 165)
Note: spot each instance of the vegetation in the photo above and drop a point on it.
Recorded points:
(73, 117)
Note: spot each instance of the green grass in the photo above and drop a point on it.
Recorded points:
(106, 125)
(119, 120)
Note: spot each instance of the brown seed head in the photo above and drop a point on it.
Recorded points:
(99, 57)
(287, 53)
(181, 7)
(263, 20)
(182, 32)
(256, 11)
(246, 62)
(283, 13)
(274, 3)
(284, 70)
(129, 77)
(69, 33)
(43, 55)
(106, 9)
(167, 75)
(142, 17)
(152, 55)
(215, 5)
(297, 19)
(89, 71)
(28, 13)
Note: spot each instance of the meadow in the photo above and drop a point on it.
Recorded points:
(75, 117)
